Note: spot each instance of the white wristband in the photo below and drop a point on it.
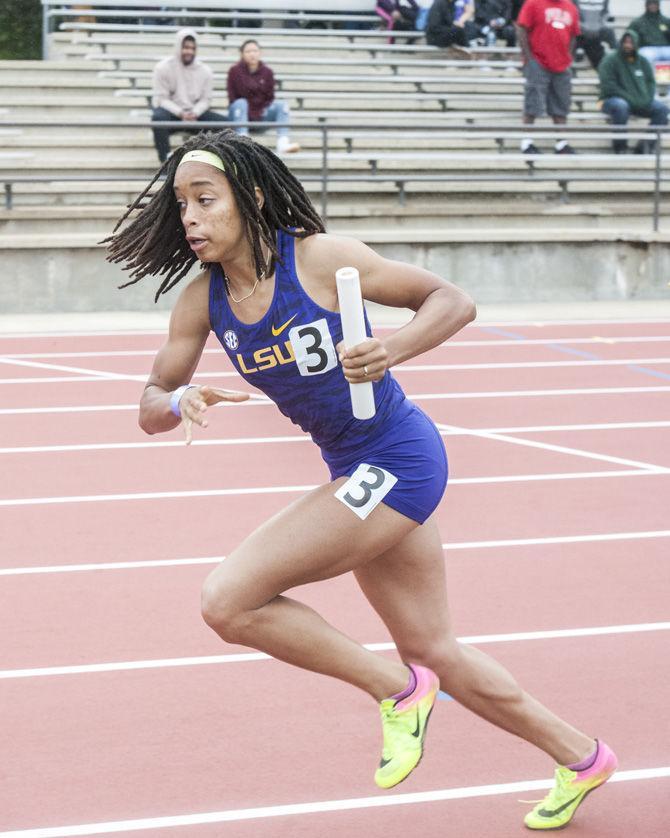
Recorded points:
(175, 397)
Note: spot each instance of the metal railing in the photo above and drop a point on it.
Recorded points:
(501, 135)
(236, 10)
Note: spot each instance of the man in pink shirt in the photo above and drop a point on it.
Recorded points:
(251, 94)
(547, 30)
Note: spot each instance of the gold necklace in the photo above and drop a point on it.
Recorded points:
(246, 297)
(242, 299)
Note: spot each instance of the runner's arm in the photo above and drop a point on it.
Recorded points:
(177, 360)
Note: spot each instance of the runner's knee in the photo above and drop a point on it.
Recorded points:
(443, 655)
(221, 609)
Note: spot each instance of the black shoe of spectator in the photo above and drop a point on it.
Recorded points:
(566, 149)
(532, 149)
(620, 147)
(645, 147)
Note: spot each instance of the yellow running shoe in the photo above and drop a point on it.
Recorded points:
(570, 789)
(404, 720)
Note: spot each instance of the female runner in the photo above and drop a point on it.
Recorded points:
(267, 290)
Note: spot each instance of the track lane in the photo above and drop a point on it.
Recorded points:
(149, 614)
(120, 746)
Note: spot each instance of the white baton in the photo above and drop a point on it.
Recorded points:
(353, 332)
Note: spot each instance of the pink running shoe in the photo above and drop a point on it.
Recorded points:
(570, 789)
(404, 721)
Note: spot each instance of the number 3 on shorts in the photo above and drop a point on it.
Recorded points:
(366, 487)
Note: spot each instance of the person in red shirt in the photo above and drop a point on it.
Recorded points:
(547, 30)
(251, 96)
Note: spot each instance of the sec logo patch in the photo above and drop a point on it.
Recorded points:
(230, 339)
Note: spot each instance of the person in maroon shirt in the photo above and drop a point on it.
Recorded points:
(251, 96)
(547, 30)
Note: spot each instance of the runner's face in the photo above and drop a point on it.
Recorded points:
(209, 212)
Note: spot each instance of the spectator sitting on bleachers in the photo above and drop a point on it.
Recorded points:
(182, 90)
(493, 19)
(251, 94)
(547, 31)
(398, 15)
(422, 17)
(653, 30)
(450, 23)
(594, 15)
(628, 86)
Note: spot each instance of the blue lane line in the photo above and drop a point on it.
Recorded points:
(648, 371)
(580, 352)
(502, 333)
(444, 696)
(569, 351)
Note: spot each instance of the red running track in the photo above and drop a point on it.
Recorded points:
(557, 558)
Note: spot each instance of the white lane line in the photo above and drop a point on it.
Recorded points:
(559, 449)
(116, 446)
(269, 490)
(455, 545)
(288, 809)
(455, 432)
(54, 379)
(518, 365)
(110, 376)
(511, 394)
(259, 399)
(401, 368)
(593, 426)
(249, 657)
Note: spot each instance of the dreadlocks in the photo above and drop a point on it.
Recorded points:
(155, 243)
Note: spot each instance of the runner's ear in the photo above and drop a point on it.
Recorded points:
(260, 198)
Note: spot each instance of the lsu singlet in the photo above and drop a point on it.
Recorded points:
(289, 354)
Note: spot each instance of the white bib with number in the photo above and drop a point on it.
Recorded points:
(313, 347)
(366, 487)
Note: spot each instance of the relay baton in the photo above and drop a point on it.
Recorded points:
(353, 332)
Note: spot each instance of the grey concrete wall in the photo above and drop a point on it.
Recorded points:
(40, 280)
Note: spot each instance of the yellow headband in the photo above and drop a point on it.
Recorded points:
(200, 156)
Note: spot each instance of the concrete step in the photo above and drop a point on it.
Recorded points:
(352, 218)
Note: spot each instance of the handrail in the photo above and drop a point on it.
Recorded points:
(325, 177)
(235, 9)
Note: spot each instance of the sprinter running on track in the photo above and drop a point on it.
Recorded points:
(268, 292)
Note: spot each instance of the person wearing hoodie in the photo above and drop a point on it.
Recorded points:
(628, 86)
(182, 90)
(653, 30)
(450, 23)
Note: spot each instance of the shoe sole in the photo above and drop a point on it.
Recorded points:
(574, 811)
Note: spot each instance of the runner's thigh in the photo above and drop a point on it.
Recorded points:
(316, 537)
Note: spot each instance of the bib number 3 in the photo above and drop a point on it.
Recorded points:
(313, 347)
(366, 488)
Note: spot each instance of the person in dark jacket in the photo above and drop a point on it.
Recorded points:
(594, 18)
(653, 30)
(450, 22)
(398, 15)
(628, 86)
(493, 19)
(251, 96)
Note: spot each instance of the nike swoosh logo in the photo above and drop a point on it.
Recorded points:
(278, 331)
(384, 762)
(545, 813)
(417, 731)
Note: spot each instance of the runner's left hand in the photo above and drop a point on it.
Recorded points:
(370, 355)
(195, 402)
